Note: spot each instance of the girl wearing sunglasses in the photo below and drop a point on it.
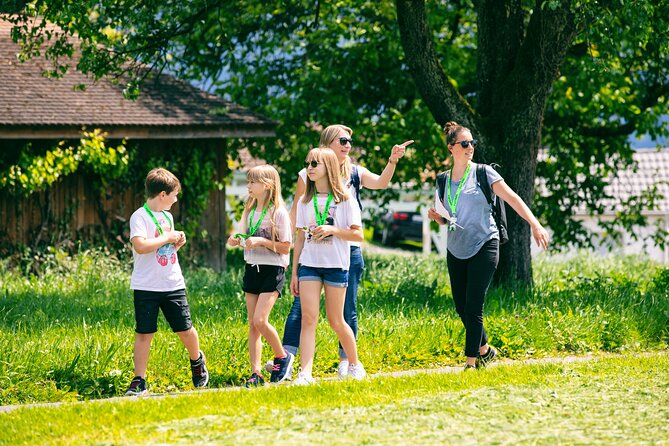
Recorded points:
(338, 138)
(473, 242)
(327, 220)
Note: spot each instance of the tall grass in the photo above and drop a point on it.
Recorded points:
(66, 333)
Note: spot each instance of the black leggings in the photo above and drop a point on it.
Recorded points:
(470, 279)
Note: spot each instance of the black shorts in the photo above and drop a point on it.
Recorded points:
(264, 279)
(173, 303)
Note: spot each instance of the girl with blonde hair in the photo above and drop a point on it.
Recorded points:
(265, 234)
(338, 139)
(327, 219)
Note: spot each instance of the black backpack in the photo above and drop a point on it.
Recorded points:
(498, 207)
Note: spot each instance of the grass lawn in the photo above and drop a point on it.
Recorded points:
(612, 399)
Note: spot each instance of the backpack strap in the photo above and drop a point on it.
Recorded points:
(355, 181)
(482, 179)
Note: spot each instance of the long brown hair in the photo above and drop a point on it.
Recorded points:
(328, 136)
(268, 176)
(329, 159)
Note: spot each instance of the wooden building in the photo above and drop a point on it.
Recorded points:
(170, 115)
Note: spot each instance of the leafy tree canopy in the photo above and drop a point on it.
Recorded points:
(588, 73)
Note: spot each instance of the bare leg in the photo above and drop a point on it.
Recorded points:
(334, 308)
(264, 306)
(255, 343)
(310, 296)
(191, 342)
(141, 352)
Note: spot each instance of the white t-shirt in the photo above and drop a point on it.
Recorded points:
(158, 270)
(331, 252)
(262, 255)
(348, 185)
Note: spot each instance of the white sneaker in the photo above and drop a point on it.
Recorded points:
(342, 370)
(356, 371)
(304, 379)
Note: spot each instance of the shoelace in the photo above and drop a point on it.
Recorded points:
(276, 367)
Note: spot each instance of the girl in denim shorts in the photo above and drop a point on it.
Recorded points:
(265, 234)
(327, 220)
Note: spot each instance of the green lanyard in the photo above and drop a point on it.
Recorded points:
(253, 227)
(321, 218)
(153, 217)
(453, 202)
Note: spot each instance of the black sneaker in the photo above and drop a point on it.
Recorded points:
(199, 371)
(137, 387)
(282, 368)
(254, 380)
(483, 360)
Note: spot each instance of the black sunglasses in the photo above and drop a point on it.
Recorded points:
(466, 144)
(312, 163)
(343, 140)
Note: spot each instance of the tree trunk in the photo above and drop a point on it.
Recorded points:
(516, 68)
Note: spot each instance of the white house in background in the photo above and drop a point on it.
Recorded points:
(652, 170)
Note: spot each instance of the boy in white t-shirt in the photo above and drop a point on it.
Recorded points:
(157, 281)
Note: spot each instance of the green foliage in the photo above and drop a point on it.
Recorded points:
(34, 172)
(612, 83)
(309, 64)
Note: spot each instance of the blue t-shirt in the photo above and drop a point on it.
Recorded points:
(473, 213)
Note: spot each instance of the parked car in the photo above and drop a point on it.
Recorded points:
(402, 226)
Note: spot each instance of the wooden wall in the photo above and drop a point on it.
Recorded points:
(76, 212)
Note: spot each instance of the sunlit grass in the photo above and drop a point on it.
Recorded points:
(607, 400)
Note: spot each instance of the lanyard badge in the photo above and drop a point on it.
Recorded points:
(252, 227)
(453, 202)
(155, 221)
(321, 218)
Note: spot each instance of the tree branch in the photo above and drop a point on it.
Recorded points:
(443, 100)
(548, 37)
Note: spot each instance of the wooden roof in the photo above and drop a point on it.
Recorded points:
(33, 106)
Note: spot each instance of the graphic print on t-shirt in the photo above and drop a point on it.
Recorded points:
(328, 221)
(166, 253)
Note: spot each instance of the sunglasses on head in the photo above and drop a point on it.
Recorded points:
(466, 144)
(343, 140)
(312, 163)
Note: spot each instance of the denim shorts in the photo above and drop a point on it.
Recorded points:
(335, 277)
